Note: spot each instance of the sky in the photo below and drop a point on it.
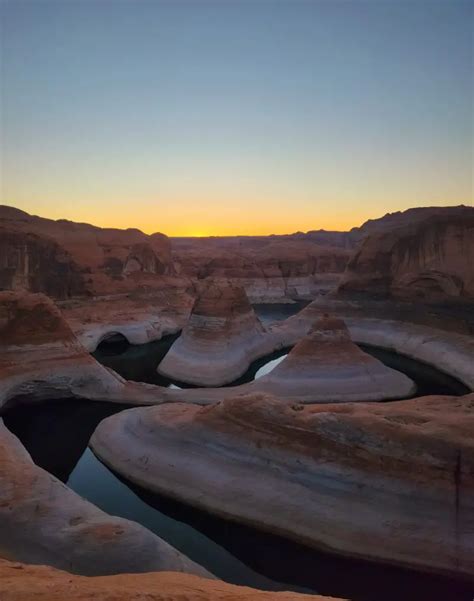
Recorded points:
(197, 117)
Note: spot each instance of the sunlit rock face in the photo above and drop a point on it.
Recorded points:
(222, 337)
(44, 522)
(428, 259)
(389, 482)
(326, 366)
(42, 583)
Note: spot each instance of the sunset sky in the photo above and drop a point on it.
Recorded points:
(235, 117)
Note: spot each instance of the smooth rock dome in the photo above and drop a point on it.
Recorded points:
(222, 337)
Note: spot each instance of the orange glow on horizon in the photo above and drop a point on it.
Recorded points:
(261, 220)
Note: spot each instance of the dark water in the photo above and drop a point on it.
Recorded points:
(139, 362)
(56, 435)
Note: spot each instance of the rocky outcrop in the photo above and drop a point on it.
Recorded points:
(103, 260)
(222, 337)
(439, 337)
(326, 366)
(273, 268)
(141, 316)
(29, 262)
(43, 521)
(388, 482)
(20, 582)
(428, 259)
(41, 358)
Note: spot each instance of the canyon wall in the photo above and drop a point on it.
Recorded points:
(66, 259)
(273, 269)
(429, 259)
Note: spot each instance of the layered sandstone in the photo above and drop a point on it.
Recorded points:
(43, 521)
(41, 358)
(222, 337)
(106, 280)
(107, 259)
(20, 582)
(326, 366)
(272, 268)
(389, 482)
(428, 259)
(438, 337)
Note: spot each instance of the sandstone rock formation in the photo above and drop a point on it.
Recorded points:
(429, 259)
(20, 582)
(272, 268)
(387, 482)
(326, 366)
(39, 264)
(108, 260)
(43, 521)
(438, 337)
(41, 358)
(222, 337)
(106, 280)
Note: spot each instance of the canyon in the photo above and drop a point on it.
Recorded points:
(307, 452)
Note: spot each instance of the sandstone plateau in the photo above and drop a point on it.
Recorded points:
(20, 582)
(222, 337)
(389, 482)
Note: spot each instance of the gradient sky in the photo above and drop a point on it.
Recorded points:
(247, 116)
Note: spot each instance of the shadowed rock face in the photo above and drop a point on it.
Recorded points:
(222, 337)
(430, 260)
(41, 583)
(103, 260)
(34, 263)
(388, 482)
(43, 521)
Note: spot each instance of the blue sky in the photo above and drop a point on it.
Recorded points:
(198, 117)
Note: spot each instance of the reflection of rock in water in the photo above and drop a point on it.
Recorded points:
(282, 560)
(56, 433)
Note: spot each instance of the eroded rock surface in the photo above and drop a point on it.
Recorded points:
(387, 482)
(430, 259)
(326, 366)
(108, 259)
(20, 582)
(41, 358)
(222, 337)
(43, 521)
(431, 335)
(270, 268)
